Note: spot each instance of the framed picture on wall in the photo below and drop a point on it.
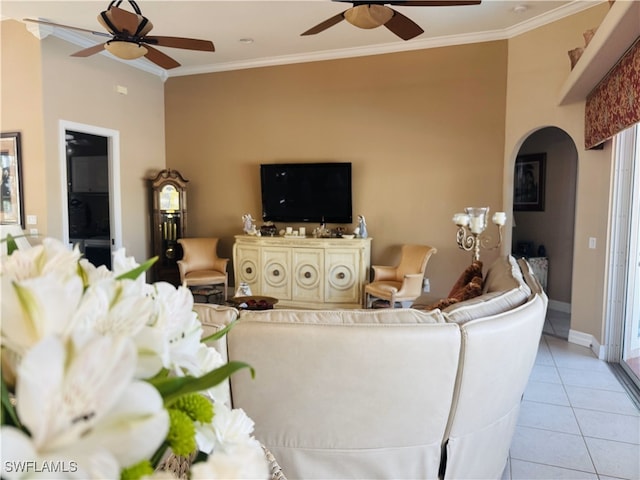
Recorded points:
(11, 206)
(528, 182)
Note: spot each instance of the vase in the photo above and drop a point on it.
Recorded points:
(588, 35)
(574, 56)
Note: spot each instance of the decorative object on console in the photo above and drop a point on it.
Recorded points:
(362, 227)
(248, 225)
(268, 230)
(472, 224)
(243, 290)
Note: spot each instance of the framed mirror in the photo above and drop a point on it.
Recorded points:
(11, 206)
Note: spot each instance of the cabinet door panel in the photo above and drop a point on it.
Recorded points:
(308, 271)
(248, 269)
(342, 283)
(276, 280)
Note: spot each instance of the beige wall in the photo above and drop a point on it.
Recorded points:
(22, 112)
(82, 90)
(423, 130)
(538, 67)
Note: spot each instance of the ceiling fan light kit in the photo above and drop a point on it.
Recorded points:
(129, 39)
(368, 16)
(374, 14)
(125, 50)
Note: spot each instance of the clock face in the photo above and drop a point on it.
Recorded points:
(169, 198)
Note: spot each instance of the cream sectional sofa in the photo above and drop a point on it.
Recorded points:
(395, 393)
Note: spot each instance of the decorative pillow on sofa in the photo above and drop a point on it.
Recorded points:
(470, 290)
(469, 273)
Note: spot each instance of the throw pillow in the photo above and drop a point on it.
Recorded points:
(441, 304)
(470, 290)
(473, 270)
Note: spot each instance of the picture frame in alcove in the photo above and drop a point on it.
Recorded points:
(11, 197)
(529, 182)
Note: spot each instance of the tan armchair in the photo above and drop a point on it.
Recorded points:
(200, 264)
(402, 283)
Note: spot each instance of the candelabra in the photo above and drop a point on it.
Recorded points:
(472, 224)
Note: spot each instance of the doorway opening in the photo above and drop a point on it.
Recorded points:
(543, 224)
(91, 191)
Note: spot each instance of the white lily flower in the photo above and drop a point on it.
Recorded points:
(175, 318)
(82, 404)
(122, 264)
(95, 274)
(117, 307)
(52, 256)
(246, 461)
(37, 307)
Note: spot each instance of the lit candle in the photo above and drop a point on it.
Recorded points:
(499, 218)
(477, 224)
(461, 219)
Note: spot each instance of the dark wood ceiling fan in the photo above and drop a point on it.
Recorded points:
(129, 39)
(374, 14)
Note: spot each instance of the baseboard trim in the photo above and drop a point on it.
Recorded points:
(589, 341)
(558, 306)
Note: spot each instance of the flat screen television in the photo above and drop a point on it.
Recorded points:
(306, 192)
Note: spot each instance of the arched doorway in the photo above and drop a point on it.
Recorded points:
(543, 228)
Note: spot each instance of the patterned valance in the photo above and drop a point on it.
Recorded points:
(614, 104)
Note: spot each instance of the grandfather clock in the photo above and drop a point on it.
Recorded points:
(168, 222)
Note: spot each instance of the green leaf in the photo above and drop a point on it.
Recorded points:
(173, 388)
(220, 333)
(9, 415)
(12, 246)
(136, 272)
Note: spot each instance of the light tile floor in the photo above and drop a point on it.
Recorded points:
(576, 420)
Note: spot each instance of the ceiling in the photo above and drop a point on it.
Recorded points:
(256, 33)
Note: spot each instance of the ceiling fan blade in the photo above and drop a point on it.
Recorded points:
(330, 22)
(124, 20)
(403, 26)
(89, 51)
(435, 3)
(51, 24)
(179, 42)
(160, 59)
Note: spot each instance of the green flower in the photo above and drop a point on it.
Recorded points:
(182, 433)
(199, 408)
(137, 471)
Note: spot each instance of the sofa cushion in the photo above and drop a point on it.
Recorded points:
(504, 274)
(333, 317)
(485, 305)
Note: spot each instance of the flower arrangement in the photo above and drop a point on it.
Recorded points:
(103, 373)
